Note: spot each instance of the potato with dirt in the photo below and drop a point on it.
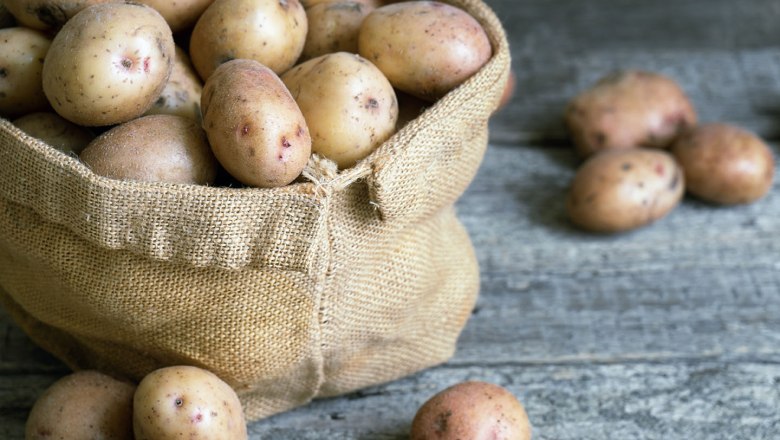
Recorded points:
(271, 32)
(349, 106)
(181, 95)
(186, 402)
(56, 131)
(254, 126)
(334, 27)
(83, 405)
(47, 15)
(108, 64)
(629, 109)
(180, 14)
(471, 410)
(725, 164)
(620, 190)
(425, 48)
(157, 148)
(22, 52)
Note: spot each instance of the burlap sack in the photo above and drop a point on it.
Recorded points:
(315, 289)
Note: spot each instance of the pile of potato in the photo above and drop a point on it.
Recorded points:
(643, 148)
(269, 83)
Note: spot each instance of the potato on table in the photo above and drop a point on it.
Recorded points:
(22, 52)
(83, 405)
(108, 64)
(725, 164)
(629, 109)
(619, 190)
(56, 131)
(349, 106)
(254, 126)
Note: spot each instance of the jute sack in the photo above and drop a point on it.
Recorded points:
(350, 279)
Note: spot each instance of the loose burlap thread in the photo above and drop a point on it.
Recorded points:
(347, 280)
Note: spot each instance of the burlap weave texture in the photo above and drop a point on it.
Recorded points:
(350, 279)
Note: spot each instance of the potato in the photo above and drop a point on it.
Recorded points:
(424, 48)
(157, 148)
(47, 14)
(181, 95)
(108, 64)
(269, 31)
(471, 410)
(184, 402)
(724, 164)
(255, 128)
(371, 3)
(349, 105)
(180, 14)
(629, 109)
(333, 27)
(619, 190)
(22, 52)
(83, 405)
(56, 131)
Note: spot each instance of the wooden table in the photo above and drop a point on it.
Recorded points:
(668, 332)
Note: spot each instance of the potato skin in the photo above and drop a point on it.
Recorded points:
(371, 3)
(47, 14)
(56, 131)
(108, 64)
(334, 27)
(272, 32)
(629, 109)
(22, 52)
(157, 148)
(471, 410)
(83, 405)
(6, 19)
(619, 190)
(181, 402)
(425, 48)
(725, 164)
(349, 105)
(180, 14)
(255, 128)
(182, 92)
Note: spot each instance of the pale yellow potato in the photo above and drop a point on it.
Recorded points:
(619, 190)
(22, 52)
(333, 27)
(725, 164)
(184, 402)
(371, 3)
(271, 32)
(83, 405)
(47, 14)
(108, 64)
(629, 109)
(56, 131)
(180, 14)
(424, 48)
(472, 410)
(181, 95)
(157, 148)
(350, 107)
(254, 126)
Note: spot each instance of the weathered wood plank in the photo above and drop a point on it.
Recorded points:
(724, 54)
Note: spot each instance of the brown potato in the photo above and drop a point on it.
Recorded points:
(56, 131)
(629, 109)
(349, 106)
(181, 95)
(255, 128)
(47, 14)
(108, 64)
(269, 31)
(83, 405)
(180, 14)
(22, 52)
(183, 402)
(725, 164)
(424, 48)
(618, 190)
(158, 148)
(474, 411)
(333, 27)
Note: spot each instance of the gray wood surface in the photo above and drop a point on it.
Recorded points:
(668, 332)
